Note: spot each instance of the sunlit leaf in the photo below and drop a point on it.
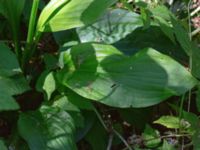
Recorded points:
(49, 85)
(67, 14)
(151, 137)
(104, 74)
(112, 27)
(48, 128)
(171, 122)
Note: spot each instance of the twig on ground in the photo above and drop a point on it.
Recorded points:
(110, 142)
(112, 130)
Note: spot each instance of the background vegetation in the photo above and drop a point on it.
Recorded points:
(99, 75)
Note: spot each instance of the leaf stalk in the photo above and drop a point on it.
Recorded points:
(30, 41)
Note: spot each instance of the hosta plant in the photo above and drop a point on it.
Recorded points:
(97, 75)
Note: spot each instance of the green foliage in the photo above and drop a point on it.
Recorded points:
(112, 27)
(198, 99)
(67, 14)
(2, 145)
(49, 85)
(169, 122)
(9, 65)
(97, 142)
(196, 139)
(136, 115)
(151, 137)
(167, 146)
(47, 128)
(99, 78)
(12, 10)
(102, 73)
(11, 80)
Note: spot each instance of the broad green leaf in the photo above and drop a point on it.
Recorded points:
(49, 85)
(11, 80)
(70, 101)
(69, 37)
(102, 73)
(161, 11)
(67, 14)
(46, 83)
(82, 120)
(41, 79)
(165, 19)
(64, 104)
(146, 17)
(166, 146)
(140, 39)
(171, 122)
(191, 120)
(12, 11)
(166, 28)
(50, 61)
(8, 62)
(79, 101)
(151, 137)
(47, 129)
(141, 3)
(112, 27)
(162, 15)
(182, 36)
(74, 98)
(194, 129)
(2, 145)
(10, 87)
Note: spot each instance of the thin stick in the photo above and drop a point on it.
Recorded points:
(122, 139)
(112, 130)
(182, 144)
(196, 31)
(188, 145)
(31, 32)
(189, 20)
(190, 59)
(32, 22)
(195, 11)
(168, 136)
(181, 111)
(100, 119)
(110, 141)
